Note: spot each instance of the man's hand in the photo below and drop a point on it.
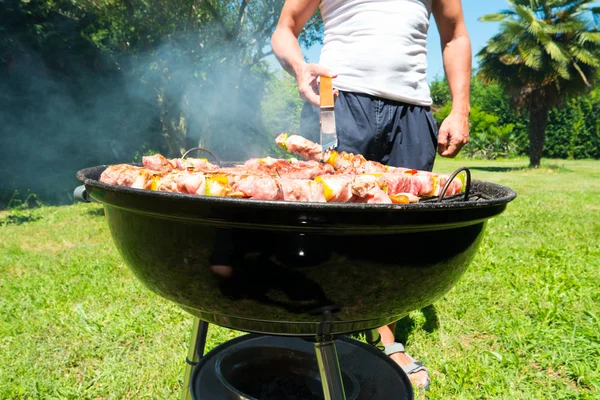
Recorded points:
(453, 134)
(308, 86)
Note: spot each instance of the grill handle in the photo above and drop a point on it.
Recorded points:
(451, 178)
(216, 159)
(80, 194)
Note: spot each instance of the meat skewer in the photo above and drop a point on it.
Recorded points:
(243, 184)
(421, 183)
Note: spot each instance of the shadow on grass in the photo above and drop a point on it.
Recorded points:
(498, 169)
(18, 218)
(95, 212)
(546, 168)
(406, 325)
(555, 168)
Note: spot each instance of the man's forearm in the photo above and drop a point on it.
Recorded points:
(294, 15)
(287, 50)
(457, 64)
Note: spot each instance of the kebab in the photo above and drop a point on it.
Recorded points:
(252, 184)
(420, 183)
(159, 163)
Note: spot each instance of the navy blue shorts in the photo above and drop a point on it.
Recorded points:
(390, 132)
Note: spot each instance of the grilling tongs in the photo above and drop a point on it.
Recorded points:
(328, 133)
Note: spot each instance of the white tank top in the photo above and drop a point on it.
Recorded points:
(378, 47)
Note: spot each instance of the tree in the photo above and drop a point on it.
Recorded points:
(207, 64)
(547, 51)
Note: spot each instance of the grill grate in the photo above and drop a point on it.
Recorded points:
(458, 198)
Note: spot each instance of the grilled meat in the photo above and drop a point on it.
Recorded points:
(339, 177)
(160, 163)
(126, 175)
(298, 145)
(292, 169)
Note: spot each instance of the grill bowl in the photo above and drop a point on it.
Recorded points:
(293, 268)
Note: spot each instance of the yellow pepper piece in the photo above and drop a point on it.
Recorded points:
(332, 157)
(462, 177)
(216, 185)
(281, 140)
(327, 191)
(436, 186)
(399, 199)
(154, 183)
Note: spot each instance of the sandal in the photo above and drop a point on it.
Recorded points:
(413, 367)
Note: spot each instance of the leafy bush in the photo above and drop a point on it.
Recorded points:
(574, 130)
(488, 139)
(137, 156)
(496, 129)
(30, 200)
(21, 209)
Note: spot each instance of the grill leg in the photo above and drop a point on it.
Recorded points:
(195, 353)
(329, 368)
(373, 338)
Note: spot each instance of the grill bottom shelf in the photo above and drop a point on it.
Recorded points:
(374, 375)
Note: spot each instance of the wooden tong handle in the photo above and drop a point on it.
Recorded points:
(326, 91)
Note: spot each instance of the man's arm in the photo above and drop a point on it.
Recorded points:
(456, 52)
(294, 15)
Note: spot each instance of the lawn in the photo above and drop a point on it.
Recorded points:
(523, 323)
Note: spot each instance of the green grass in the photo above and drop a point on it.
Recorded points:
(523, 323)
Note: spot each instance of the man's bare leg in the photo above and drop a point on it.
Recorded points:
(419, 378)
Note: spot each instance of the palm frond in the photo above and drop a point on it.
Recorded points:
(499, 44)
(556, 51)
(564, 28)
(511, 59)
(526, 13)
(515, 3)
(585, 56)
(589, 36)
(493, 17)
(576, 7)
(513, 31)
(532, 56)
(536, 27)
(562, 69)
(556, 3)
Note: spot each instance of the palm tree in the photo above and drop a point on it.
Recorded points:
(547, 50)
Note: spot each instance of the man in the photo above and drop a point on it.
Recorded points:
(376, 52)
